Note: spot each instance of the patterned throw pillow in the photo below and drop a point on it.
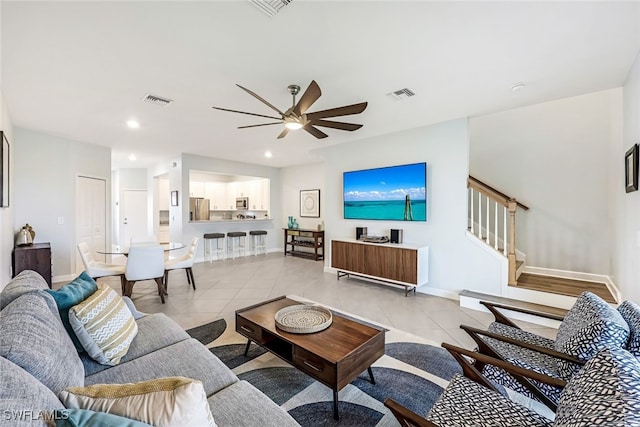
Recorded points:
(606, 391)
(163, 402)
(104, 325)
(630, 312)
(86, 418)
(589, 326)
(81, 288)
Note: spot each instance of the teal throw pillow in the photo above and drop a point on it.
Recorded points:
(87, 418)
(73, 293)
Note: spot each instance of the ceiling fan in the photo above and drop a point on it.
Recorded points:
(296, 117)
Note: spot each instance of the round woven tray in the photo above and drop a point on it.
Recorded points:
(303, 319)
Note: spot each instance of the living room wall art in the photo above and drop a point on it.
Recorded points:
(4, 176)
(631, 169)
(310, 203)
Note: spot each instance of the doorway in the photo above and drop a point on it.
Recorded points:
(134, 216)
(91, 213)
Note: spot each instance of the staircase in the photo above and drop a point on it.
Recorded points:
(492, 219)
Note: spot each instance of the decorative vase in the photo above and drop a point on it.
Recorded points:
(290, 222)
(30, 230)
(295, 224)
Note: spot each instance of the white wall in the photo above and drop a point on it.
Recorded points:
(455, 263)
(44, 190)
(627, 205)
(7, 214)
(302, 177)
(553, 157)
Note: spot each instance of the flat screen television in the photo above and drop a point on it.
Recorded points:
(396, 193)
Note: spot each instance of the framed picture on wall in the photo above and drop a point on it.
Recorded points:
(631, 169)
(174, 198)
(310, 203)
(4, 176)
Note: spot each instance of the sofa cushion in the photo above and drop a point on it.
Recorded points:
(186, 358)
(630, 312)
(32, 337)
(155, 331)
(21, 392)
(243, 405)
(162, 402)
(606, 391)
(71, 294)
(590, 325)
(87, 418)
(25, 281)
(467, 403)
(104, 326)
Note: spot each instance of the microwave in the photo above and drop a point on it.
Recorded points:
(242, 203)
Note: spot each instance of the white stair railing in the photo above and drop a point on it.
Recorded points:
(492, 220)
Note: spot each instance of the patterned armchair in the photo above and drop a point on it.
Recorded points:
(590, 325)
(605, 391)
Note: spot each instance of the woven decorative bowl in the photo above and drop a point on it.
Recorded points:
(303, 319)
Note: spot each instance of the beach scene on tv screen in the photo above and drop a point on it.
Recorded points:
(395, 193)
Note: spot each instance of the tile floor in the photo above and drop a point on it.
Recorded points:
(224, 286)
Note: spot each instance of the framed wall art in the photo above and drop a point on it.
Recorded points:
(631, 169)
(310, 203)
(4, 175)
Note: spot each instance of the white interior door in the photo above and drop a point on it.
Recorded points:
(91, 211)
(134, 216)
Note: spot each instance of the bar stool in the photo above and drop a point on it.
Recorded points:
(258, 241)
(209, 239)
(236, 242)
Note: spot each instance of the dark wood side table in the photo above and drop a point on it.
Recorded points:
(36, 257)
(299, 238)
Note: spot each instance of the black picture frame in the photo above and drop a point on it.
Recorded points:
(174, 198)
(5, 164)
(631, 169)
(310, 203)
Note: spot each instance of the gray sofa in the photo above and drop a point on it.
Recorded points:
(38, 360)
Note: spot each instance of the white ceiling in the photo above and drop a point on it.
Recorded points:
(80, 69)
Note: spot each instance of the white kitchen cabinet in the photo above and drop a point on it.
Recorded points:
(196, 189)
(231, 194)
(163, 234)
(216, 192)
(265, 187)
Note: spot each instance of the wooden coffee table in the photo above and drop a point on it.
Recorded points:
(334, 357)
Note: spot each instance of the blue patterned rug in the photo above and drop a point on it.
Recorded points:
(413, 372)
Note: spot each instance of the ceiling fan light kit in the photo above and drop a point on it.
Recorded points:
(296, 117)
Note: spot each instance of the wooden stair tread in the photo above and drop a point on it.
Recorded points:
(564, 286)
(514, 302)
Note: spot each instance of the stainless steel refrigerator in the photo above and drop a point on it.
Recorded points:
(198, 209)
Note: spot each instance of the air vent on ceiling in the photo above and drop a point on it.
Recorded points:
(401, 94)
(157, 100)
(270, 7)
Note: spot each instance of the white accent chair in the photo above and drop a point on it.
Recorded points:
(97, 269)
(145, 263)
(143, 241)
(184, 262)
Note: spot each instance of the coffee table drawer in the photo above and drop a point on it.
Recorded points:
(249, 330)
(314, 366)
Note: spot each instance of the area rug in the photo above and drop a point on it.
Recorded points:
(413, 371)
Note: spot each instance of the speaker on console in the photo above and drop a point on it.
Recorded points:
(360, 231)
(396, 235)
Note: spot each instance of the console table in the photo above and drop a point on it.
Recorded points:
(310, 239)
(404, 265)
(36, 257)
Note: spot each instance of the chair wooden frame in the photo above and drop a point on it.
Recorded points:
(408, 418)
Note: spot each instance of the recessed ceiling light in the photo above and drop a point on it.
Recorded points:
(133, 124)
(132, 157)
(518, 86)
(268, 154)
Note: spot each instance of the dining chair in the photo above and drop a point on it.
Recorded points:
(143, 241)
(184, 262)
(97, 269)
(145, 263)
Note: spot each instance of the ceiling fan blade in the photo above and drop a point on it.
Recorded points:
(283, 133)
(315, 132)
(336, 125)
(263, 124)
(244, 112)
(310, 96)
(259, 98)
(339, 111)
